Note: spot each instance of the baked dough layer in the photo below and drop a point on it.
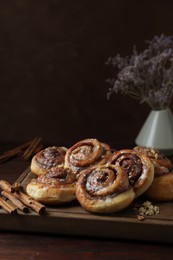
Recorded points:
(161, 188)
(104, 189)
(86, 153)
(56, 186)
(137, 166)
(47, 158)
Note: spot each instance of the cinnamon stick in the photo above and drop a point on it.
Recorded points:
(7, 206)
(5, 186)
(39, 147)
(30, 202)
(31, 149)
(24, 198)
(15, 187)
(13, 152)
(25, 150)
(15, 201)
(18, 148)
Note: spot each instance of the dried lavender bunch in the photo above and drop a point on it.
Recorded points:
(146, 76)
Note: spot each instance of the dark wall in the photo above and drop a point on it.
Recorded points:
(52, 66)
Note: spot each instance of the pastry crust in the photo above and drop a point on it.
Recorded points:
(86, 153)
(56, 186)
(48, 158)
(138, 168)
(161, 188)
(104, 189)
(161, 163)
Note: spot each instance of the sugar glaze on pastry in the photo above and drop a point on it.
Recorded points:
(47, 158)
(161, 188)
(138, 168)
(86, 153)
(56, 186)
(104, 189)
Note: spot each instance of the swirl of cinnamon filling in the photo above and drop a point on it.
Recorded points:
(161, 187)
(86, 153)
(138, 168)
(104, 189)
(162, 164)
(56, 186)
(57, 176)
(46, 159)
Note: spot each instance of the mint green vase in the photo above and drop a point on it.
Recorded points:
(157, 131)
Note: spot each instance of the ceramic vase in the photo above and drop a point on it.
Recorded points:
(157, 131)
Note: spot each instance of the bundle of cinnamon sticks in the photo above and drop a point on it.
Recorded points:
(24, 151)
(13, 199)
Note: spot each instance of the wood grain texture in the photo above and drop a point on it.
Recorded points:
(72, 219)
(22, 245)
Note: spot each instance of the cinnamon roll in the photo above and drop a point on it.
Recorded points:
(104, 189)
(86, 153)
(138, 168)
(56, 186)
(46, 159)
(162, 188)
(161, 163)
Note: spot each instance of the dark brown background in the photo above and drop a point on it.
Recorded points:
(52, 66)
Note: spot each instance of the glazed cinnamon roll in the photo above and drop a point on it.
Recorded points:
(104, 189)
(56, 186)
(46, 159)
(161, 163)
(138, 168)
(161, 188)
(86, 153)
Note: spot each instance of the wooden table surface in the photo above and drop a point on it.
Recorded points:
(15, 245)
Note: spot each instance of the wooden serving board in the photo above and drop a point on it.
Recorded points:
(72, 219)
